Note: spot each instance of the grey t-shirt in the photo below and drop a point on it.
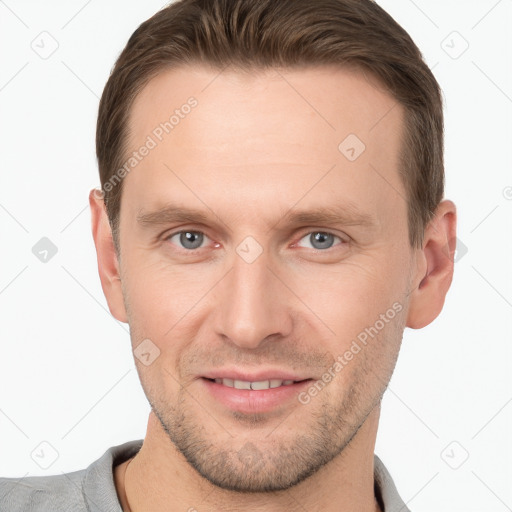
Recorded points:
(93, 489)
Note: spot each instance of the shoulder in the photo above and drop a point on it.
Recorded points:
(38, 493)
(87, 490)
(385, 489)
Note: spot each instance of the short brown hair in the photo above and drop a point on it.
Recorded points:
(259, 34)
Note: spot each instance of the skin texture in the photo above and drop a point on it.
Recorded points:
(256, 147)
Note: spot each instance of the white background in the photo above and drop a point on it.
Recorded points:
(67, 375)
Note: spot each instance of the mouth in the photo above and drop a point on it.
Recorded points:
(254, 397)
(257, 385)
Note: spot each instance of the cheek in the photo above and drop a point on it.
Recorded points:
(350, 297)
(360, 308)
(165, 307)
(364, 359)
(160, 294)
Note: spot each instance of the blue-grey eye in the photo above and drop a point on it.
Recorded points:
(189, 239)
(320, 240)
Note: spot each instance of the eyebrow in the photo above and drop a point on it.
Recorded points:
(347, 215)
(171, 214)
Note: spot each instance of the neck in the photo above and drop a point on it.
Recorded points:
(160, 479)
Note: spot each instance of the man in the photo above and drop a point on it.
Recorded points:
(270, 221)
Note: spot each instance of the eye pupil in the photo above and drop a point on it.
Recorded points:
(320, 240)
(191, 239)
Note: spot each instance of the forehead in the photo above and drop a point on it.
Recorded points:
(332, 99)
(268, 137)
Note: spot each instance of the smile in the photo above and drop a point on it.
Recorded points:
(259, 385)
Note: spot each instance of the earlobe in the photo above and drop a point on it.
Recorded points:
(108, 264)
(434, 267)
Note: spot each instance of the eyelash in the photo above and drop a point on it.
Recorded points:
(309, 233)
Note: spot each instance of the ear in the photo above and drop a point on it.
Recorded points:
(434, 267)
(108, 264)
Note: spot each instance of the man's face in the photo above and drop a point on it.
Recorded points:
(254, 286)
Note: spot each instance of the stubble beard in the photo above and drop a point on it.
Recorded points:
(268, 460)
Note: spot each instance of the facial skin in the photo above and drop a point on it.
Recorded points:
(255, 149)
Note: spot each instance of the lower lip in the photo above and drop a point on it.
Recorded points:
(254, 401)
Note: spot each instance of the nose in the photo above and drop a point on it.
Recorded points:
(253, 304)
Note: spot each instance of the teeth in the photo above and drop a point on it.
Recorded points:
(260, 385)
(241, 384)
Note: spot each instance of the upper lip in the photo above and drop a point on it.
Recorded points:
(253, 377)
